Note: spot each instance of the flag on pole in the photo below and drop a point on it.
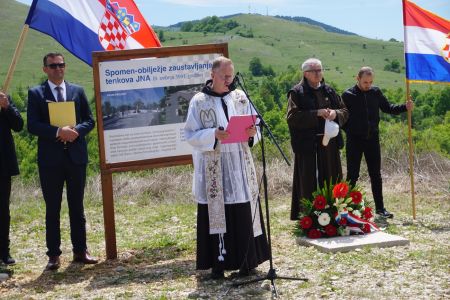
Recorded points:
(427, 44)
(84, 26)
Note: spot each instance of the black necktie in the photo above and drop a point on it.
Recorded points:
(59, 95)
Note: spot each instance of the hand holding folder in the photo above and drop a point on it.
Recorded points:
(62, 115)
(237, 128)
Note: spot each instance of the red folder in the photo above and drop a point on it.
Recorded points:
(236, 128)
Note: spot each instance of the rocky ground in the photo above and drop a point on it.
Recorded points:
(156, 243)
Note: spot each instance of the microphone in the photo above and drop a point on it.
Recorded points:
(233, 85)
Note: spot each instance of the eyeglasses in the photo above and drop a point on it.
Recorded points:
(54, 66)
(315, 71)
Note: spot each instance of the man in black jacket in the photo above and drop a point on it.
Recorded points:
(364, 103)
(10, 118)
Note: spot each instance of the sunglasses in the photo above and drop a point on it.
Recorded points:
(54, 66)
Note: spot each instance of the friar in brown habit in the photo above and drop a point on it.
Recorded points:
(310, 103)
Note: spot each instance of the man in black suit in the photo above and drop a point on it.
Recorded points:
(10, 118)
(62, 158)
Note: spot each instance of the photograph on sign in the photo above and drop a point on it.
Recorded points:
(144, 104)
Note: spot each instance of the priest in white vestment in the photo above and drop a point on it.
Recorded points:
(230, 231)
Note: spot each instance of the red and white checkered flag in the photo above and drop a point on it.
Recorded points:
(111, 33)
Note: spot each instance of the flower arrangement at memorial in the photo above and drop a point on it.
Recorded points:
(335, 210)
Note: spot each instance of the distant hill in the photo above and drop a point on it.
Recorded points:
(309, 21)
(304, 20)
(276, 41)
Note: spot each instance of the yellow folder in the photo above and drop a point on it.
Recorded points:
(62, 113)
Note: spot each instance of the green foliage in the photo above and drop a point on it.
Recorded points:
(257, 68)
(209, 24)
(393, 66)
(248, 33)
(161, 36)
(435, 138)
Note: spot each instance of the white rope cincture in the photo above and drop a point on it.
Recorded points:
(221, 247)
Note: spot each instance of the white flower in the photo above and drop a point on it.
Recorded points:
(340, 205)
(346, 231)
(357, 213)
(324, 219)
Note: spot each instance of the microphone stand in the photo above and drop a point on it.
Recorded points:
(271, 274)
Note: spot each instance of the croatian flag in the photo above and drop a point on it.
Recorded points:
(427, 44)
(83, 26)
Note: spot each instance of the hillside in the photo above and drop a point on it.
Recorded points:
(281, 43)
(276, 42)
(304, 20)
(309, 21)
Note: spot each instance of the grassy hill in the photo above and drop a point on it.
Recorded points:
(281, 43)
(276, 42)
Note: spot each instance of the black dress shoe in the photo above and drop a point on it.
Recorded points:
(85, 258)
(217, 274)
(385, 214)
(8, 260)
(53, 263)
(244, 272)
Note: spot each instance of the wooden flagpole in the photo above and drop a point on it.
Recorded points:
(15, 59)
(411, 152)
(408, 97)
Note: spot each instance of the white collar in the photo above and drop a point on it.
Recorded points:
(52, 85)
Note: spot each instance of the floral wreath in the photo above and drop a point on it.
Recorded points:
(335, 210)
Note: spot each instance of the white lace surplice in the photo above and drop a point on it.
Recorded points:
(237, 181)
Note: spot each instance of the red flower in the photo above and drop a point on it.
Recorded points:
(330, 230)
(366, 228)
(340, 190)
(367, 213)
(356, 197)
(306, 222)
(343, 221)
(314, 234)
(320, 202)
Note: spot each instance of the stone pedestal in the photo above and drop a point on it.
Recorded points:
(352, 242)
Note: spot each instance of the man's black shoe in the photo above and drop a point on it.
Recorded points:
(53, 263)
(8, 260)
(244, 272)
(385, 214)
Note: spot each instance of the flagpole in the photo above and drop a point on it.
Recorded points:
(408, 97)
(411, 152)
(15, 59)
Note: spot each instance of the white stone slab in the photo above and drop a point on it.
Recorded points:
(3, 277)
(352, 242)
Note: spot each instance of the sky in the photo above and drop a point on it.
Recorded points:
(376, 19)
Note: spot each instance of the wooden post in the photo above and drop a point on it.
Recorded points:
(411, 153)
(108, 214)
(16, 56)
